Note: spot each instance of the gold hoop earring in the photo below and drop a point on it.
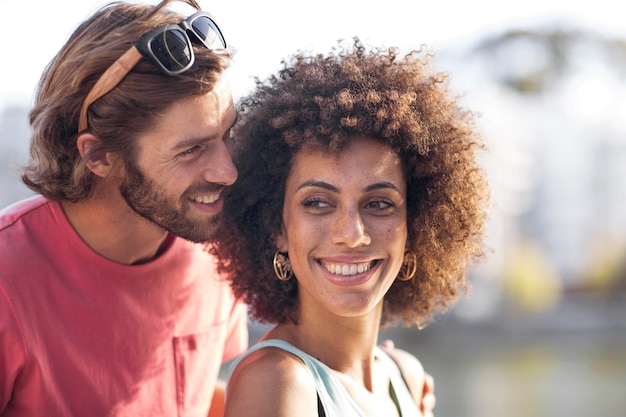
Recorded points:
(282, 267)
(409, 267)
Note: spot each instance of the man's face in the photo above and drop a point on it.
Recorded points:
(183, 165)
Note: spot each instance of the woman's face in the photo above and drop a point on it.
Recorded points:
(344, 226)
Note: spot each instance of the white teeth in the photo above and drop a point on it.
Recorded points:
(347, 269)
(206, 199)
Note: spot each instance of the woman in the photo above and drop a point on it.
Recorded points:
(360, 204)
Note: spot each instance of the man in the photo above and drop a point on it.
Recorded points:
(107, 306)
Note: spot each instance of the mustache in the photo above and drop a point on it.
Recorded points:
(205, 188)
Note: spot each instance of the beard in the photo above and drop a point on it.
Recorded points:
(151, 201)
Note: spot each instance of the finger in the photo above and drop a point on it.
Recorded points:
(388, 344)
(429, 383)
(429, 401)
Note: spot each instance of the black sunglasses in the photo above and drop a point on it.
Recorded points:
(168, 47)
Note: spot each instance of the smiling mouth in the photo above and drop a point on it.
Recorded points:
(206, 199)
(347, 268)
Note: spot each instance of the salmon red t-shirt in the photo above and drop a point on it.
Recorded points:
(81, 335)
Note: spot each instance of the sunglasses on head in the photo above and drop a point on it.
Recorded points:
(168, 47)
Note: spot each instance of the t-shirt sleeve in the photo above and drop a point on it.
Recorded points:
(237, 338)
(12, 350)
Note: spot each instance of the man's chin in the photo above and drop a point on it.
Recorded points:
(200, 232)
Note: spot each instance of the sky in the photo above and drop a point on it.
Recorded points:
(265, 31)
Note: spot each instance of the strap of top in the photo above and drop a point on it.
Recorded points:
(333, 396)
(403, 398)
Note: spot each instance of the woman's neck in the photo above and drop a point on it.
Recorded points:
(345, 344)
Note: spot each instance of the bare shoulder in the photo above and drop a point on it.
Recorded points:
(271, 382)
(412, 371)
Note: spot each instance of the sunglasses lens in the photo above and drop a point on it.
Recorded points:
(172, 49)
(206, 30)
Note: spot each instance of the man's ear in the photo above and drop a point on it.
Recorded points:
(97, 160)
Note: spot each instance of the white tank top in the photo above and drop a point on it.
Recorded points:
(332, 395)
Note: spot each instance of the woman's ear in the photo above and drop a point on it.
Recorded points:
(280, 240)
(97, 160)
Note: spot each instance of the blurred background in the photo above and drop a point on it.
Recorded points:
(544, 331)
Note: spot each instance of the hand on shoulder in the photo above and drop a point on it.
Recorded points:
(421, 384)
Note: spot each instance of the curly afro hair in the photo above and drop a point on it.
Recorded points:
(326, 101)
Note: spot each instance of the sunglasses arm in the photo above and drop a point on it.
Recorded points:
(109, 79)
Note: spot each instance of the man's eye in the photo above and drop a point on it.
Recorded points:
(190, 151)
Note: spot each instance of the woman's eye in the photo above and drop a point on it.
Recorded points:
(380, 204)
(315, 203)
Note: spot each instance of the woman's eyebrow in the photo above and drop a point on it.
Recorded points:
(382, 185)
(319, 184)
(371, 187)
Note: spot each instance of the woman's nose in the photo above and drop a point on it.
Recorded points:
(350, 230)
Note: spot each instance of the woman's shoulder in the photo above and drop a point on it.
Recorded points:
(270, 381)
(270, 360)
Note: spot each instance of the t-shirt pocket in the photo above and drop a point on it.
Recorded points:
(198, 358)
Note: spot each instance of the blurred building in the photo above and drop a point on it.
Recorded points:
(552, 100)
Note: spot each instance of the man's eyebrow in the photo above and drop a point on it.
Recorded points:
(191, 142)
